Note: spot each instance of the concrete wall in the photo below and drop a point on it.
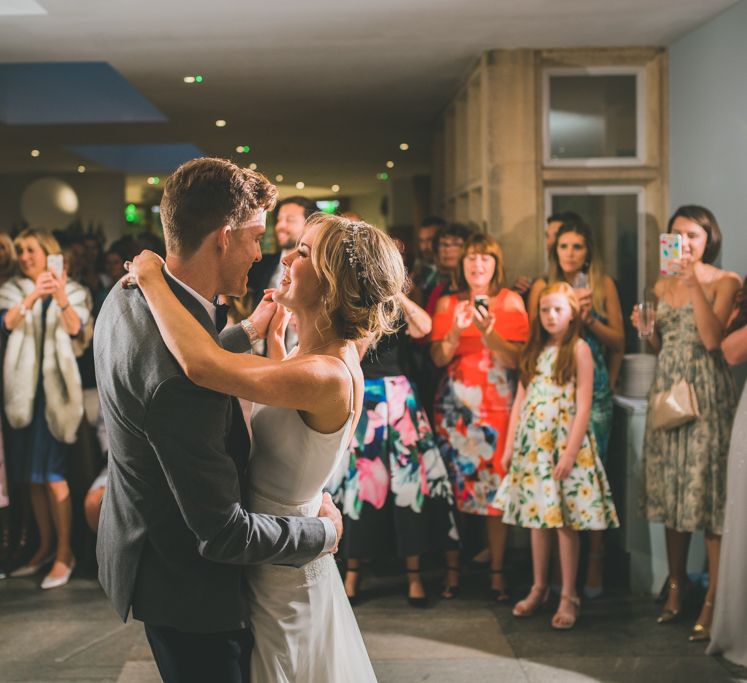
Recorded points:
(708, 126)
(100, 195)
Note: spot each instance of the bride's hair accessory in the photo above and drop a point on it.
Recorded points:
(355, 241)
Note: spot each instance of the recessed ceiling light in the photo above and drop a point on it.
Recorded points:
(253, 166)
(279, 178)
(81, 169)
(35, 152)
(335, 188)
(189, 79)
(390, 164)
(300, 185)
(404, 146)
(243, 149)
(220, 123)
(153, 180)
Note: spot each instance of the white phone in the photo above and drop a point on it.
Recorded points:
(670, 251)
(55, 264)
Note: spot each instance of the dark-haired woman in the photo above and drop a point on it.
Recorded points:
(573, 259)
(685, 466)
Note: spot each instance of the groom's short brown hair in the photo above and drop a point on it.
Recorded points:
(205, 194)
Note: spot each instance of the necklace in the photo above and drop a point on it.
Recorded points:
(315, 348)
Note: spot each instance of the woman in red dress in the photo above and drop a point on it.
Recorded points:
(477, 334)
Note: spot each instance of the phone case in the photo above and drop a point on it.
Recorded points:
(55, 263)
(670, 250)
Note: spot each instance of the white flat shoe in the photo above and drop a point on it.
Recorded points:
(57, 581)
(31, 569)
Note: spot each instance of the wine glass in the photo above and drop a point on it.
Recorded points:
(646, 319)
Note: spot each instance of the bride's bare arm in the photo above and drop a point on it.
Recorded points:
(318, 385)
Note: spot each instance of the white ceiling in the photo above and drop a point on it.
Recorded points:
(324, 91)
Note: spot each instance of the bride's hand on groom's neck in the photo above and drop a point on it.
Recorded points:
(262, 316)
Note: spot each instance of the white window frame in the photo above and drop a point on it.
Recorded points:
(640, 92)
(637, 190)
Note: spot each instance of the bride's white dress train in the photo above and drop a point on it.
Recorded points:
(304, 627)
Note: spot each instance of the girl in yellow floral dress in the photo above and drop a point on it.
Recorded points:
(554, 478)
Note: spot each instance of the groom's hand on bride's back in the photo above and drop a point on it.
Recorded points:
(329, 510)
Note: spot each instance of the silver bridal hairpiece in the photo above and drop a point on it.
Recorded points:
(355, 255)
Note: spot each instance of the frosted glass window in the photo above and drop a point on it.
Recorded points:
(592, 116)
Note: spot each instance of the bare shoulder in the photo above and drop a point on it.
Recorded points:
(583, 350)
(512, 301)
(728, 280)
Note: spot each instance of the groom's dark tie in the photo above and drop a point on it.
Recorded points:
(221, 316)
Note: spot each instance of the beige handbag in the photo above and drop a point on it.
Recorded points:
(675, 407)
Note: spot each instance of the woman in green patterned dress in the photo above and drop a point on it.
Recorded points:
(574, 260)
(685, 467)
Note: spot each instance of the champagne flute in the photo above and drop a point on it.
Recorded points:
(646, 319)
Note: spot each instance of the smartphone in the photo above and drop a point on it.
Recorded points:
(481, 304)
(670, 251)
(55, 264)
(581, 281)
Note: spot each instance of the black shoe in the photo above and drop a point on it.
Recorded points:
(450, 591)
(500, 595)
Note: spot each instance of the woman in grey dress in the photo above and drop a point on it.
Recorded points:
(729, 629)
(685, 467)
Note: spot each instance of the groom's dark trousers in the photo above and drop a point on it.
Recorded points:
(173, 537)
(200, 658)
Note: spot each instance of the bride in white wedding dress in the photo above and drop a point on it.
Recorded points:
(342, 283)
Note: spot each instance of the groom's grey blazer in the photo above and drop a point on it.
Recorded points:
(173, 535)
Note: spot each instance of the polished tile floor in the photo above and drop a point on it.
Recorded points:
(72, 634)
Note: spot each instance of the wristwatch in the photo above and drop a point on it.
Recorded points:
(22, 309)
(251, 331)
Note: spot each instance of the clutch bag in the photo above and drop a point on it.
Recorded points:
(674, 407)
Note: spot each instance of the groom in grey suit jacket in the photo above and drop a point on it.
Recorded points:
(173, 535)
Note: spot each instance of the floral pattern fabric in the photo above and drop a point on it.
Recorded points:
(473, 404)
(394, 462)
(529, 495)
(685, 467)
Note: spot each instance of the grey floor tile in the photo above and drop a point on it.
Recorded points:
(625, 670)
(493, 670)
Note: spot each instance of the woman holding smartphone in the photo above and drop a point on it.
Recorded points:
(477, 335)
(685, 466)
(574, 260)
(40, 313)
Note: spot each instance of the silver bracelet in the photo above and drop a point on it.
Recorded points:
(251, 331)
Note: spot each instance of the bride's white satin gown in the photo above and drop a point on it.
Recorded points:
(304, 628)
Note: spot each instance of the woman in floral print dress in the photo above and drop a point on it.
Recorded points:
(480, 348)
(394, 489)
(685, 467)
(556, 479)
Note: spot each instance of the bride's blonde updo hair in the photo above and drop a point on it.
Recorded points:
(362, 274)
